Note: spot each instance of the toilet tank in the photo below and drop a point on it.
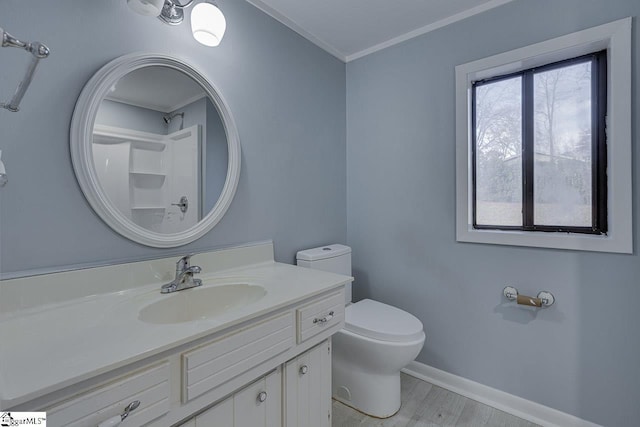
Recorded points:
(332, 258)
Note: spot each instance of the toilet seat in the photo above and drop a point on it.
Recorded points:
(383, 322)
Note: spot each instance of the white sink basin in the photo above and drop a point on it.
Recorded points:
(200, 303)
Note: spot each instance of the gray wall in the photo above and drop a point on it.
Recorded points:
(580, 356)
(287, 97)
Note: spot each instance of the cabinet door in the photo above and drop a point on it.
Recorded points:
(260, 404)
(257, 405)
(220, 415)
(308, 388)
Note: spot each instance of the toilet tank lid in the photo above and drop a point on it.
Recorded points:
(323, 252)
(384, 322)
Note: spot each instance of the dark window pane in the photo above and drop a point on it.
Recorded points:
(562, 146)
(498, 118)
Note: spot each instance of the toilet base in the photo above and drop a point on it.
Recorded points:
(375, 395)
(348, 405)
(366, 372)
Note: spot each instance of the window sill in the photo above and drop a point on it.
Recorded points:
(539, 239)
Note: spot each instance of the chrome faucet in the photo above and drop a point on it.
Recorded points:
(184, 276)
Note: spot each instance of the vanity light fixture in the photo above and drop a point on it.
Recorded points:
(208, 24)
(207, 21)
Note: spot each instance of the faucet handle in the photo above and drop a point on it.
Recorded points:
(184, 262)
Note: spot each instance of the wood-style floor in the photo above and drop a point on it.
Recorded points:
(426, 405)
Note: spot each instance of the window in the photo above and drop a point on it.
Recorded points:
(535, 164)
(539, 148)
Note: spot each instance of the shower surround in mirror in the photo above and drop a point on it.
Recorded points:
(145, 174)
(160, 149)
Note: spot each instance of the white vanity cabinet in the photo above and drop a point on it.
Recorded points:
(272, 371)
(296, 394)
(262, 363)
(257, 405)
(307, 388)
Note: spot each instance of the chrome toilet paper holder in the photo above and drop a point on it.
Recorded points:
(544, 299)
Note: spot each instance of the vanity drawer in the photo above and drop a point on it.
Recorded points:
(320, 315)
(213, 364)
(150, 387)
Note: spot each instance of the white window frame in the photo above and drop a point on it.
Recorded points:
(615, 37)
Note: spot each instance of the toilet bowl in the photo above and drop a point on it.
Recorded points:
(378, 340)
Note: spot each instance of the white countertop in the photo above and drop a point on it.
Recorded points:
(48, 347)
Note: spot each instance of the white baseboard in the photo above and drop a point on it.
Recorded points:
(514, 405)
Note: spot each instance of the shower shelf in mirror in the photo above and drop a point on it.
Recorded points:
(147, 173)
(148, 145)
(106, 134)
(147, 179)
(146, 163)
(148, 208)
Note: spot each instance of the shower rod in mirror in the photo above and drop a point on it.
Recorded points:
(38, 50)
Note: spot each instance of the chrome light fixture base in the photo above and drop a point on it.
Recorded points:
(173, 13)
(208, 23)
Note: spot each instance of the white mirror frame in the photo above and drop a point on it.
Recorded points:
(81, 136)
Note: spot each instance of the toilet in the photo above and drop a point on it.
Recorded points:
(378, 340)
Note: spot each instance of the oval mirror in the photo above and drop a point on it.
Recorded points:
(155, 149)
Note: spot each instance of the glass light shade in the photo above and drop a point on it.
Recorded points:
(207, 24)
(146, 7)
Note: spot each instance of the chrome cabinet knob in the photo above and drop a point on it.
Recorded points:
(304, 369)
(262, 396)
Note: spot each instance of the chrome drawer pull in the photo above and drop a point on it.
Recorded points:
(304, 369)
(129, 408)
(325, 319)
(262, 396)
